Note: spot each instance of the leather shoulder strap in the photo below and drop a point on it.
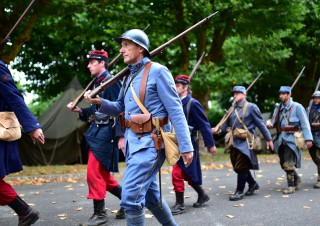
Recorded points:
(143, 82)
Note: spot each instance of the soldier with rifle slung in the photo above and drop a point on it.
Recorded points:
(243, 120)
(288, 118)
(103, 138)
(314, 119)
(197, 120)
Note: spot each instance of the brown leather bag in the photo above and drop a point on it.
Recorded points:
(141, 123)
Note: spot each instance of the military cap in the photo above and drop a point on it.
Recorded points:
(183, 79)
(239, 89)
(316, 94)
(285, 89)
(99, 55)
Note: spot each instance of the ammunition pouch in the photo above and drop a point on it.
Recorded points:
(140, 123)
(240, 133)
(287, 129)
(157, 139)
(122, 121)
(315, 126)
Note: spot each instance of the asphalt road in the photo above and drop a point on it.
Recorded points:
(66, 204)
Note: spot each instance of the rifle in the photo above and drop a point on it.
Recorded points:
(196, 66)
(311, 101)
(6, 39)
(77, 100)
(125, 71)
(228, 113)
(295, 81)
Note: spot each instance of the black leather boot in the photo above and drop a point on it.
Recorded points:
(236, 196)
(179, 207)
(252, 189)
(116, 191)
(241, 183)
(27, 215)
(202, 196)
(99, 216)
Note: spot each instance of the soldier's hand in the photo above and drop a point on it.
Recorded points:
(216, 130)
(270, 145)
(37, 135)
(187, 158)
(309, 144)
(74, 109)
(121, 145)
(213, 150)
(269, 124)
(90, 100)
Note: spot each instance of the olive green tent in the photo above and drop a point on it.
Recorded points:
(63, 131)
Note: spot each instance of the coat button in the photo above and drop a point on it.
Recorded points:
(129, 113)
(130, 99)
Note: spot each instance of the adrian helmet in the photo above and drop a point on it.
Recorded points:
(137, 36)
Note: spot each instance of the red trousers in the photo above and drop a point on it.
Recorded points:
(98, 178)
(7, 193)
(178, 178)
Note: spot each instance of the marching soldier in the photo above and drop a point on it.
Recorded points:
(143, 160)
(101, 138)
(243, 120)
(314, 119)
(197, 120)
(12, 100)
(288, 118)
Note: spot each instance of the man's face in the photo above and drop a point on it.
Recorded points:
(284, 97)
(95, 67)
(238, 97)
(131, 52)
(181, 89)
(316, 100)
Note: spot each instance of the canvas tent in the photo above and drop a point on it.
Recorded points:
(63, 131)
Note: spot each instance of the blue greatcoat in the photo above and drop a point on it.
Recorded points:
(298, 118)
(314, 116)
(139, 188)
(102, 139)
(252, 120)
(199, 121)
(12, 100)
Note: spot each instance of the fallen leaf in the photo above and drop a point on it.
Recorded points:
(259, 175)
(31, 204)
(79, 209)
(70, 189)
(237, 205)
(230, 216)
(285, 196)
(114, 211)
(306, 189)
(278, 190)
(63, 218)
(62, 215)
(267, 196)
(22, 195)
(187, 196)
(306, 207)
(310, 200)
(222, 187)
(148, 216)
(53, 202)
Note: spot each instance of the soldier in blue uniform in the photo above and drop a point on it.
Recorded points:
(288, 118)
(197, 120)
(314, 119)
(12, 101)
(101, 137)
(243, 157)
(143, 161)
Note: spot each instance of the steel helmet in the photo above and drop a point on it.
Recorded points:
(137, 36)
(316, 94)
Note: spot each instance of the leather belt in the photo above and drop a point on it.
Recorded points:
(162, 122)
(287, 129)
(315, 126)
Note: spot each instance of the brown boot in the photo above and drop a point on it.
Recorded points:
(27, 215)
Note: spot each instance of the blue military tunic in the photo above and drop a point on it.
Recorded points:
(252, 119)
(102, 138)
(198, 120)
(297, 118)
(12, 100)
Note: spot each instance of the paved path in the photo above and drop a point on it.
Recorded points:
(66, 204)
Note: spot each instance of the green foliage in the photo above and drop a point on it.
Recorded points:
(39, 107)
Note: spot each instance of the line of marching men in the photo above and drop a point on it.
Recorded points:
(164, 97)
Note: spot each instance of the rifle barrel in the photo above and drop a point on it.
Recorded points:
(254, 81)
(5, 40)
(295, 81)
(196, 66)
(153, 53)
